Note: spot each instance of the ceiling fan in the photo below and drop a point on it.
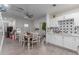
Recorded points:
(21, 10)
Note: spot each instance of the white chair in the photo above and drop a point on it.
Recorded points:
(24, 41)
(21, 38)
(35, 40)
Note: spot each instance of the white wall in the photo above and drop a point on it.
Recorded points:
(32, 23)
(19, 23)
(69, 14)
(63, 16)
(38, 22)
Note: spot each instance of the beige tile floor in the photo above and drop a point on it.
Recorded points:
(11, 47)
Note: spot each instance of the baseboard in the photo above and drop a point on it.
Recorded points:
(62, 47)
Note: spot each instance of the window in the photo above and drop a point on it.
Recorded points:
(26, 25)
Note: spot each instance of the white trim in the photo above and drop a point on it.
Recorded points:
(2, 35)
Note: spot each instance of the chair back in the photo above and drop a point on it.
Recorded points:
(35, 36)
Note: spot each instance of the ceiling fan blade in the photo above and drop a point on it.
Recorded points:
(18, 9)
(29, 15)
(21, 10)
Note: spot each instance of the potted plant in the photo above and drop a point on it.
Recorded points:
(44, 26)
(44, 29)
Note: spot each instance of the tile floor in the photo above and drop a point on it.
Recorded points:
(11, 47)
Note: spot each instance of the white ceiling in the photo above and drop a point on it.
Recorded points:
(38, 10)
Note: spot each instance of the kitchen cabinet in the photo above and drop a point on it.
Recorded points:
(77, 42)
(49, 37)
(53, 39)
(66, 41)
(58, 40)
(69, 42)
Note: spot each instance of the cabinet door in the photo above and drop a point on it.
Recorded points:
(59, 40)
(53, 39)
(77, 42)
(74, 43)
(48, 37)
(69, 42)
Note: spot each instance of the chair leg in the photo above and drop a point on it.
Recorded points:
(23, 44)
(32, 44)
(38, 44)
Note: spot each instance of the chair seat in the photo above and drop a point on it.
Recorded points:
(35, 41)
(24, 41)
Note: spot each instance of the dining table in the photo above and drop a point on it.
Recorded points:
(29, 38)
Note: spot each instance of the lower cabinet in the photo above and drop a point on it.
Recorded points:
(69, 42)
(58, 40)
(53, 39)
(48, 37)
(77, 43)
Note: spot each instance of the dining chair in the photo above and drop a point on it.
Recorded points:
(23, 40)
(35, 40)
